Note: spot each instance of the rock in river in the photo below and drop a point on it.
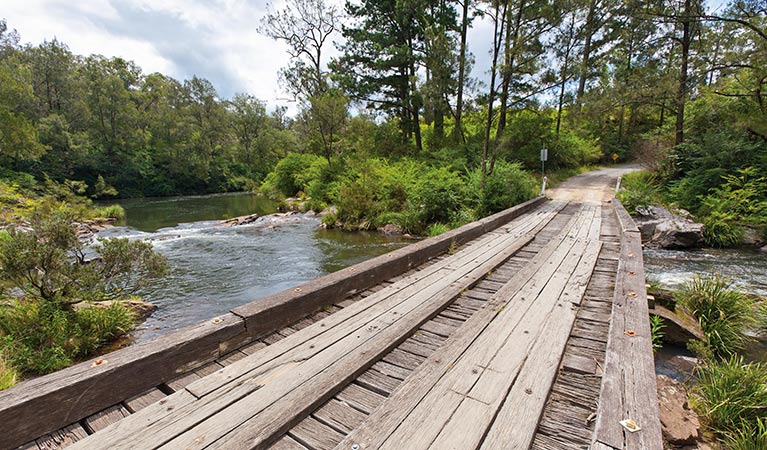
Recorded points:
(242, 220)
(661, 228)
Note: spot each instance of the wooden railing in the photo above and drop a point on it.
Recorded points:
(628, 391)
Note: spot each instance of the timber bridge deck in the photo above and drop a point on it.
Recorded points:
(526, 329)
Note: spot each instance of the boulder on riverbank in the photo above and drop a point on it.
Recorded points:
(141, 308)
(391, 230)
(661, 228)
(679, 422)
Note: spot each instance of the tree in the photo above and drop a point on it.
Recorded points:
(248, 121)
(305, 26)
(328, 114)
(387, 45)
(49, 262)
(463, 68)
(18, 135)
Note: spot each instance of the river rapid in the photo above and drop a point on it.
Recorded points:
(215, 268)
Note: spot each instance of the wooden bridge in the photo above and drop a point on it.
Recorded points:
(526, 329)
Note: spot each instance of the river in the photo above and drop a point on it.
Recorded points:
(215, 268)
(671, 269)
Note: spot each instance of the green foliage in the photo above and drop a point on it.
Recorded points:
(289, 177)
(8, 373)
(573, 150)
(638, 191)
(111, 211)
(437, 195)
(741, 199)
(725, 315)
(40, 337)
(506, 186)
(722, 229)
(730, 396)
(48, 261)
(748, 436)
(436, 229)
(656, 331)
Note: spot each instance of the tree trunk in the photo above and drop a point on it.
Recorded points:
(458, 130)
(681, 96)
(586, 60)
(563, 73)
(508, 71)
(497, 37)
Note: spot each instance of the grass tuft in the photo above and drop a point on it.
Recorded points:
(725, 315)
(731, 398)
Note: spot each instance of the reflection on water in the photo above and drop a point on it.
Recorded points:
(215, 268)
(151, 214)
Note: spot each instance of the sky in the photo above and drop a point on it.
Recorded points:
(213, 39)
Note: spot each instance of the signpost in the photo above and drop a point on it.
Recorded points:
(544, 158)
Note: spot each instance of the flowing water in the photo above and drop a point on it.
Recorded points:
(215, 268)
(671, 269)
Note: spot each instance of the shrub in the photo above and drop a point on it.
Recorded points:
(40, 337)
(111, 211)
(571, 150)
(721, 230)
(48, 262)
(723, 313)
(8, 374)
(436, 229)
(638, 190)
(100, 325)
(437, 196)
(506, 186)
(288, 177)
(731, 396)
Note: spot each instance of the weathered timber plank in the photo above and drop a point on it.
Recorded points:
(339, 416)
(579, 364)
(360, 398)
(316, 435)
(103, 419)
(183, 381)
(391, 370)
(417, 348)
(404, 359)
(287, 443)
(144, 399)
(526, 387)
(62, 438)
(231, 357)
(47, 403)
(387, 418)
(628, 384)
(625, 222)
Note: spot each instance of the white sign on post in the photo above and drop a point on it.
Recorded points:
(544, 154)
